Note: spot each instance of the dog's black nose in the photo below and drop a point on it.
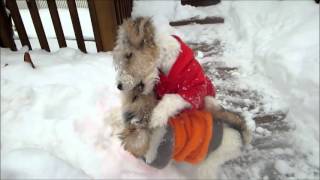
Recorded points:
(120, 86)
(141, 86)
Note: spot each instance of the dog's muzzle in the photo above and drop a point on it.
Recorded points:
(140, 86)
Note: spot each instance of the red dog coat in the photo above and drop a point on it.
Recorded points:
(191, 130)
(186, 78)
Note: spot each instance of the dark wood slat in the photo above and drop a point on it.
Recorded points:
(95, 25)
(33, 9)
(123, 10)
(207, 20)
(131, 6)
(200, 2)
(126, 8)
(76, 24)
(115, 9)
(1, 42)
(12, 6)
(56, 23)
(6, 32)
(118, 11)
(267, 118)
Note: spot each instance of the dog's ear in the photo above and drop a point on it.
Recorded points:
(140, 32)
(149, 33)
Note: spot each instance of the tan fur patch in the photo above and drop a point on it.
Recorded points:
(136, 53)
(136, 135)
(136, 140)
(234, 121)
(135, 57)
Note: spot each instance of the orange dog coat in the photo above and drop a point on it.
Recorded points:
(192, 135)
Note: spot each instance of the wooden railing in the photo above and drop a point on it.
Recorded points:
(105, 16)
(124, 8)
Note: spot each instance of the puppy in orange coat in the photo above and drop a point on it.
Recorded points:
(186, 123)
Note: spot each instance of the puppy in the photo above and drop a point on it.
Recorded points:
(149, 61)
(137, 112)
(135, 59)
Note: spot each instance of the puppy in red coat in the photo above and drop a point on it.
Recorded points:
(163, 66)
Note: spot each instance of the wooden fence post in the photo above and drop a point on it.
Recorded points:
(16, 17)
(6, 32)
(35, 16)
(95, 25)
(106, 17)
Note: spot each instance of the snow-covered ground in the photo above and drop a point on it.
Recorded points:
(53, 118)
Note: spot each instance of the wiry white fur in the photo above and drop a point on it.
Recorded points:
(155, 141)
(115, 120)
(122, 76)
(169, 106)
(169, 51)
(128, 81)
(120, 45)
(229, 149)
(150, 81)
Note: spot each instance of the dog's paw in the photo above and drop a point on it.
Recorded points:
(158, 119)
(169, 106)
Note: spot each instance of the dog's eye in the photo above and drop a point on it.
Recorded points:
(128, 55)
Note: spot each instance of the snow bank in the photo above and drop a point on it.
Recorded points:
(37, 163)
(57, 106)
(56, 118)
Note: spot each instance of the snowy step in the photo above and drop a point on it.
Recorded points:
(238, 99)
(200, 2)
(268, 118)
(197, 20)
(213, 49)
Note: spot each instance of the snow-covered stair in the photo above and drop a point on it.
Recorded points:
(271, 154)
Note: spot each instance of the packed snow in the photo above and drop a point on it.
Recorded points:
(54, 119)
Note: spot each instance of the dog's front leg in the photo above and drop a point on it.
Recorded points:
(168, 106)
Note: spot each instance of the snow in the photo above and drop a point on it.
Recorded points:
(263, 131)
(43, 165)
(49, 106)
(55, 117)
(283, 167)
(284, 50)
